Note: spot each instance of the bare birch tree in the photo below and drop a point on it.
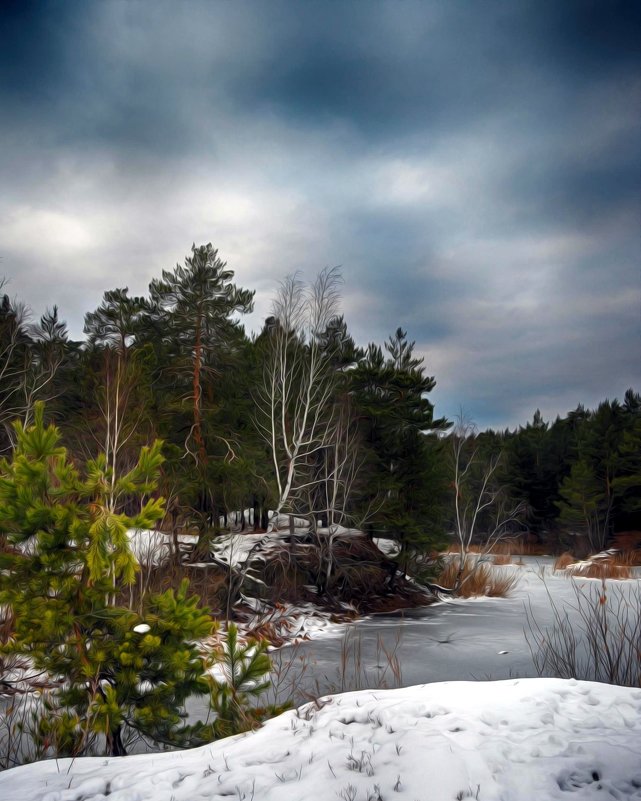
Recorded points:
(295, 400)
(12, 338)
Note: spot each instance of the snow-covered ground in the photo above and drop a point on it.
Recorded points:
(517, 740)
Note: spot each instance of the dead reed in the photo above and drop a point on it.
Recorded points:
(477, 578)
(607, 565)
(600, 642)
(563, 561)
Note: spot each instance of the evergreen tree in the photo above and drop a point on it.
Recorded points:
(533, 469)
(241, 673)
(405, 485)
(196, 303)
(583, 505)
(65, 556)
(117, 320)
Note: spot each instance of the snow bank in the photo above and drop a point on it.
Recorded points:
(386, 546)
(152, 547)
(520, 740)
(236, 548)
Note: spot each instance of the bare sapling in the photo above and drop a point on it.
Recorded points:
(484, 516)
(340, 467)
(30, 356)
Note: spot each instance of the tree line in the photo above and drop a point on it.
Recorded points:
(580, 474)
(302, 420)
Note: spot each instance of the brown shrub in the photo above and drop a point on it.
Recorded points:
(478, 579)
(600, 643)
(210, 583)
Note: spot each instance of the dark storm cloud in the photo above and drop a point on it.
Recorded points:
(415, 66)
(473, 167)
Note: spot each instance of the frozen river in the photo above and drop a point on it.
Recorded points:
(451, 640)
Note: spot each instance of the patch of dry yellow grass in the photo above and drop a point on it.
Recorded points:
(598, 566)
(562, 561)
(478, 579)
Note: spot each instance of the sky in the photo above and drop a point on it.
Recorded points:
(474, 169)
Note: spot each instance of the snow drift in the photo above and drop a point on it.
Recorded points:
(518, 740)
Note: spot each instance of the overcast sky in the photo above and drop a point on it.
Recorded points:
(475, 168)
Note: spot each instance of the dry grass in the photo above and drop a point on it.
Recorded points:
(502, 559)
(563, 561)
(627, 541)
(606, 565)
(600, 569)
(630, 558)
(512, 546)
(478, 579)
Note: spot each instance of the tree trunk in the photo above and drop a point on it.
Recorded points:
(198, 433)
(115, 744)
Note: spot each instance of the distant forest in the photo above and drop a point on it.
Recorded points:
(301, 420)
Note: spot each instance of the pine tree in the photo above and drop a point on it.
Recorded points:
(240, 674)
(601, 483)
(196, 303)
(117, 320)
(405, 486)
(65, 556)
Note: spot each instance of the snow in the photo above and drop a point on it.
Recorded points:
(236, 548)
(142, 628)
(387, 546)
(152, 547)
(514, 740)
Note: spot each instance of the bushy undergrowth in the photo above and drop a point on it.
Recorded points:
(209, 582)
